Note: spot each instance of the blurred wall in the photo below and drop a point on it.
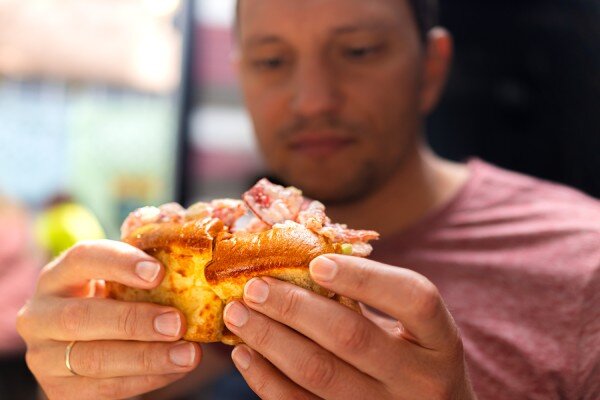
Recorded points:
(223, 154)
(88, 103)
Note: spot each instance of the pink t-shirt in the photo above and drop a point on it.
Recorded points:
(19, 268)
(517, 261)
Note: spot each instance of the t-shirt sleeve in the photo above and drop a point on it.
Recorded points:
(589, 342)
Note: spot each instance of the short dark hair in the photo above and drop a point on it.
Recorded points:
(426, 14)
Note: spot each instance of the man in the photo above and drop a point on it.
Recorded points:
(338, 91)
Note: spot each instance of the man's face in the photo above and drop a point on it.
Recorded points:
(334, 90)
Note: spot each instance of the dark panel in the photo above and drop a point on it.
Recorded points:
(525, 88)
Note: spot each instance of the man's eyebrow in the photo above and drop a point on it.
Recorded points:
(362, 26)
(370, 26)
(258, 40)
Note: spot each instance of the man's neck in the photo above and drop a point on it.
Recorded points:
(424, 182)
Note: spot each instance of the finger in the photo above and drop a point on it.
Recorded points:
(101, 259)
(385, 322)
(297, 357)
(67, 319)
(111, 358)
(263, 378)
(401, 293)
(109, 389)
(345, 333)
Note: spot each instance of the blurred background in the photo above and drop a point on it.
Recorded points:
(108, 105)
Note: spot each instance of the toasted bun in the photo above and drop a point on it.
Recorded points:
(207, 267)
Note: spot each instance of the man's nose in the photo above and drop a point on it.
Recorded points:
(316, 91)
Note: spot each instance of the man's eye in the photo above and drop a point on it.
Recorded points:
(361, 52)
(268, 63)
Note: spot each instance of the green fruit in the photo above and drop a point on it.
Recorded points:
(63, 225)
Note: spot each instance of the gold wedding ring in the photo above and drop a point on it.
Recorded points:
(68, 357)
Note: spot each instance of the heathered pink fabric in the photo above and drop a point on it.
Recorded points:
(19, 269)
(517, 261)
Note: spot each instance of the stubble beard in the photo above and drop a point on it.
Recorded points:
(360, 185)
(368, 179)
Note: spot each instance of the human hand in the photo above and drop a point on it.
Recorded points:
(122, 349)
(301, 345)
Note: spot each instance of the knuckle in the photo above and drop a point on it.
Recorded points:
(91, 362)
(263, 337)
(43, 275)
(456, 352)
(127, 323)
(291, 302)
(23, 321)
(459, 346)
(352, 334)
(261, 387)
(360, 282)
(32, 358)
(46, 272)
(147, 360)
(78, 250)
(424, 299)
(73, 317)
(318, 370)
(70, 259)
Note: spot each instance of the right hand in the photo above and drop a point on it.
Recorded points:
(123, 349)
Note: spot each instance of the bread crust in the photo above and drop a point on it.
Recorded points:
(207, 267)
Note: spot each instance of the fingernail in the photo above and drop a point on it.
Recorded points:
(167, 324)
(241, 357)
(147, 270)
(236, 314)
(256, 291)
(323, 269)
(182, 354)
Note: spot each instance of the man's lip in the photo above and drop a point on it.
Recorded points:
(319, 146)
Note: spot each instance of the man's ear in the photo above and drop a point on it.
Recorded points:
(437, 62)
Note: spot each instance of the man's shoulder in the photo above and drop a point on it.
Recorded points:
(523, 198)
(548, 224)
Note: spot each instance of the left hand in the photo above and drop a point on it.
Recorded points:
(302, 345)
